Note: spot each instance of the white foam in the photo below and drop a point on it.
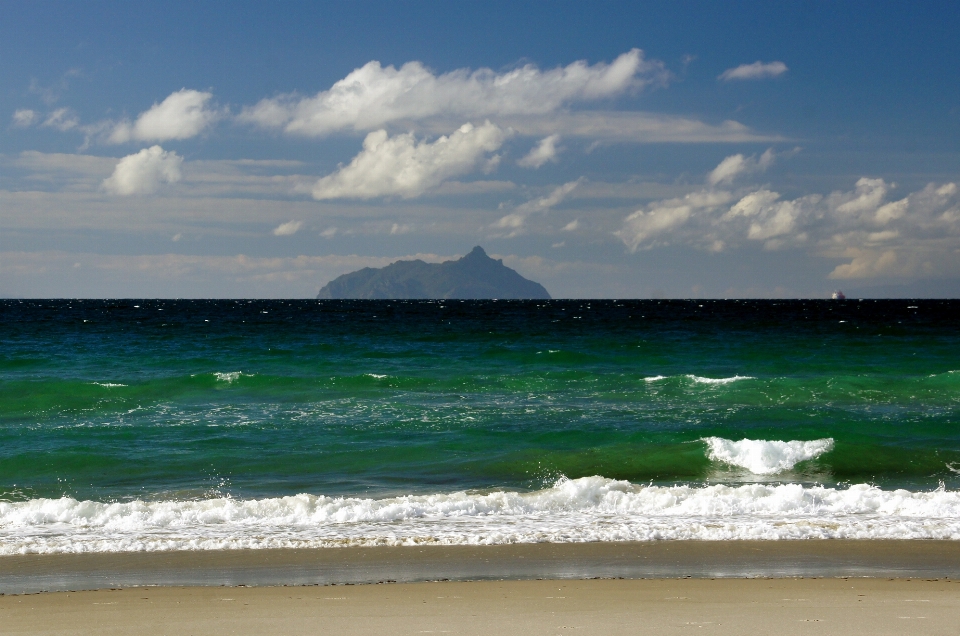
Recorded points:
(376, 375)
(765, 457)
(228, 377)
(108, 385)
(735, 378)
(578, 510)
(655, 378)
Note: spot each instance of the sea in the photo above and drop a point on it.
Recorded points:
(158, 425)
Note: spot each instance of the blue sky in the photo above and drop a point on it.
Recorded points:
(618, 149)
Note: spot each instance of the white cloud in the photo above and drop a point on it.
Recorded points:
(182, 115)
(329, 233)
(516, 219)
(914, 236)
(63, 119)
(540, 154)
(288, 228)
(572, 226)
(647, 227)
(374, 96)
(867, 196)
(511, 221)
(556, 196)
(635, 127)
(736, 165)
(402, 166)
(24, 117)
(400, 228)
(144, 172)
(757, 70)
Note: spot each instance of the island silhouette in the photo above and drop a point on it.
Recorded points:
(475, 276)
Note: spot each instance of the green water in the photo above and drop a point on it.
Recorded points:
(159, 400)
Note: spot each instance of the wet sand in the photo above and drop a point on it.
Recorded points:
(659, 559)
(527, 608)
(667, 587)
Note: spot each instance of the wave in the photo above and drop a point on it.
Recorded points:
(700, 379)
(765, 457)
(736, 378)
(577, 510)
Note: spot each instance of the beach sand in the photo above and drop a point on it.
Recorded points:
(527, 608)
(868, 587)
(410, 564)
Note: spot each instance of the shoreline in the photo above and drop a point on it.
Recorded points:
(409, 564)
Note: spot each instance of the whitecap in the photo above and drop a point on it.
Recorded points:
(228, 377)
(108, 385)
(571, 510)
(765, 457)
(735, 378)
(655, 378)
(375, 375)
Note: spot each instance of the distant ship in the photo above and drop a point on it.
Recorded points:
(838, 295)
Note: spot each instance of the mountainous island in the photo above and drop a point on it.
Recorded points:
(474, 276)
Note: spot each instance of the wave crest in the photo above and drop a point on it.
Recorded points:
(765, 457)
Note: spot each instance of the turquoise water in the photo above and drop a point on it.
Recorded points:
(164, 402)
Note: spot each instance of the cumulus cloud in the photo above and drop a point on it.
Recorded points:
(403, 166)
(540, 154)
(24, 117)
(373, 96)
(182, 115)
(918, 235)
(648, 227)
(288, 228)
(144, 172)
(757, 70)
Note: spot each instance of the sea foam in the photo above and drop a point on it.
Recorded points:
(572, 510)
(735, 378)
(765, 457)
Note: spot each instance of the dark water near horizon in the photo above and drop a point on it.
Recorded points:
(151, 424)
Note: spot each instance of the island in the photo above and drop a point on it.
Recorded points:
(475, 276)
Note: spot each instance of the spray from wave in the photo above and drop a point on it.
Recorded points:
(765, 457)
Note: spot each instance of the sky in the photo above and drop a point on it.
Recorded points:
(606, 149)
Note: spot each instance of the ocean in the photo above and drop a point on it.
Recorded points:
(147, 425)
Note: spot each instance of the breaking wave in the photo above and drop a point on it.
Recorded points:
(765, 457)
(577, 510)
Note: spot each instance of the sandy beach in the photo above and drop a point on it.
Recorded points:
(411, 564)
(662, 606)
(789, 587)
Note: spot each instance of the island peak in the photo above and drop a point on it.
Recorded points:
(474, 276)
